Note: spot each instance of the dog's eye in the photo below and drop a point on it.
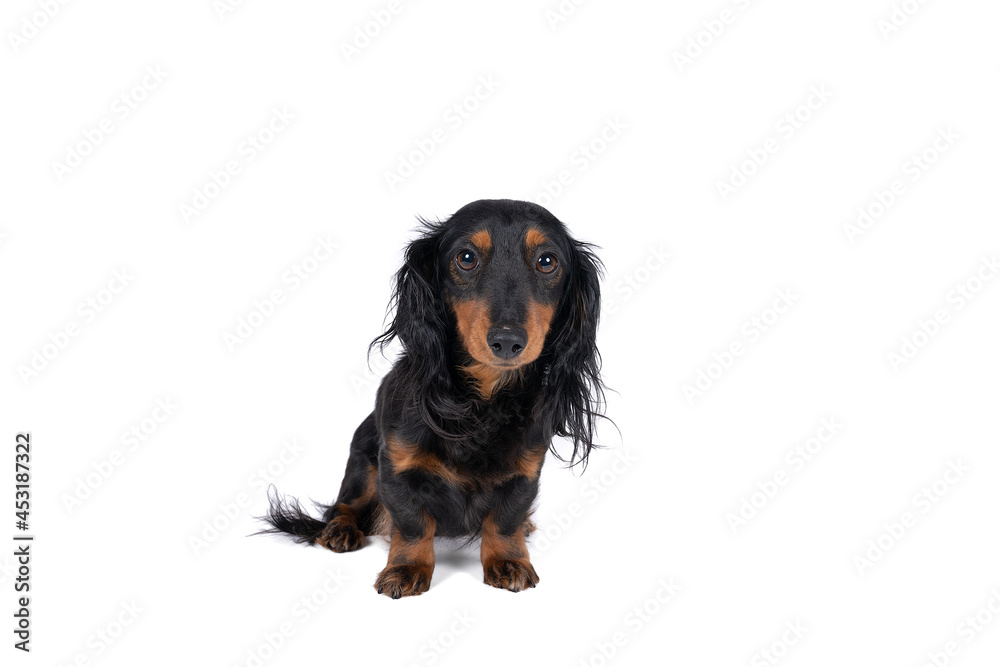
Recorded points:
(547, 263)
(467, 260)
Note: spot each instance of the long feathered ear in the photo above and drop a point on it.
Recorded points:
(420, 321)
(574, 395)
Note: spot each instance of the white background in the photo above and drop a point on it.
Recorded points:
(662, 513)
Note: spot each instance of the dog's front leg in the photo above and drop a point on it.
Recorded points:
(411, 563)
(504, 552)
(411, 549)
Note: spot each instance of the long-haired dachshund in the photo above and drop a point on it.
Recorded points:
(497, 312)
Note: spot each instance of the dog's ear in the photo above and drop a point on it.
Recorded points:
(420, 320)
(574, 394)
(421, 323)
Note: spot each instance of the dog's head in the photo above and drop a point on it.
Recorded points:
(506, 281)
(505, 271)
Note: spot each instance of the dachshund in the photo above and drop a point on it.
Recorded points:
(497, 311)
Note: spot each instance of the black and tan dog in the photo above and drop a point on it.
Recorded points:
(497, 312)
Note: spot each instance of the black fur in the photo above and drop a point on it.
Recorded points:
(458, 430)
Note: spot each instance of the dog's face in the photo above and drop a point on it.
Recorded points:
(504, 270)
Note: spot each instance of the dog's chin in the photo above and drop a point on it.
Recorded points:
(489, 360)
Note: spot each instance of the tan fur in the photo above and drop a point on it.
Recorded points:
(405, 456)
(371, 492)
(505, 558)
(489, 378)
(417, 552)
(342, 532)
(411, 563)
(529, 463)
(482, 241)
(534, 238)
(496, 546)
(539, 320)
(473, 318)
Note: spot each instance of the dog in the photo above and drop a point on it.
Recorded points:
(497, 311)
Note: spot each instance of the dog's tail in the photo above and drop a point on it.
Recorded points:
(287, 516)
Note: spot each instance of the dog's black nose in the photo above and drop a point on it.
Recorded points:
(507, 343)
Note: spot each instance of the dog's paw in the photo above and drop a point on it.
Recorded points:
(399, 580)
(514, 575)
(341, 536)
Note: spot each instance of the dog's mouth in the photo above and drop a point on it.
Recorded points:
(509, 364)
(489, 373)
(505, 365)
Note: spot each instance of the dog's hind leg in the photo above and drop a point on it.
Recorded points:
(357, 508)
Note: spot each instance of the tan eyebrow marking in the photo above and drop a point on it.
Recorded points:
(534, 238)
(482, 240)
